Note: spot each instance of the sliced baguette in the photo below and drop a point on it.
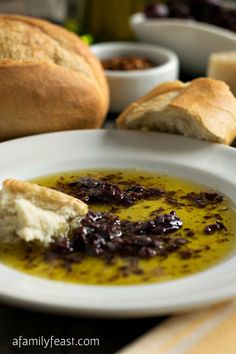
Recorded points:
(203, 109)
(34, 213)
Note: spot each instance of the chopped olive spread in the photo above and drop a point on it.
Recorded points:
(104, 234)
(91, 190)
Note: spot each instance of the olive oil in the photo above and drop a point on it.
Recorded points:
(207, 249)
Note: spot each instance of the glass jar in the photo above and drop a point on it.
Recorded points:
(109, 19)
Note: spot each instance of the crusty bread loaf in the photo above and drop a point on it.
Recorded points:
(203, 109)
(34, 213)
(49, 79)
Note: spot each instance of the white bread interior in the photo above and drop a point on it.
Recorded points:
(34, 213)
(203, 109)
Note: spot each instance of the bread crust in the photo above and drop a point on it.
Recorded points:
(40, 94)
(207, 105)
(44, 195)
(68, 40)
(212, 104)
(46, 98)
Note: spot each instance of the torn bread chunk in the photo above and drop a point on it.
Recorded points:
(34, 213)
(203, 109)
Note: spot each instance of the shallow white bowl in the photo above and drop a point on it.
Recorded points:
(192, 41)
(127, 86)
(206, 163)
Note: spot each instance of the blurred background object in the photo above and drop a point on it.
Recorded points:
(103, 19)
(222, 66)
(53, 10)
(216, 12)
(109, 20)
(68, 13)
(76, 19)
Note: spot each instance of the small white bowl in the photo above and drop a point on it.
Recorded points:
(192, 41)
(128, 86)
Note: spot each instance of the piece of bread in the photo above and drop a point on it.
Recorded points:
(49, 79)
(34, 213)
(222, 66)
(202, 109)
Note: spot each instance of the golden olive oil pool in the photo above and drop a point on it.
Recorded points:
(213, 248)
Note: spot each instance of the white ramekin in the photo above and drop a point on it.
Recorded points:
(128, 86)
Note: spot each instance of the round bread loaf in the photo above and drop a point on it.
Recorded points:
(49, 79)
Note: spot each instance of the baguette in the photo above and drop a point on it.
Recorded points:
(203, 109)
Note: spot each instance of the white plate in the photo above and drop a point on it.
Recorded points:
(210, 164)
(192, 41)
